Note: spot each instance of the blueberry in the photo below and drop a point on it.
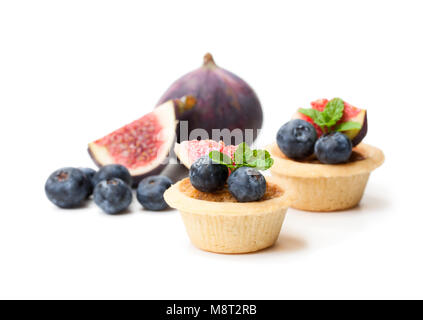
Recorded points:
(296, 139)
(67, 187)
(333, 148)
(89, 173)
(112, 195)
(208, 176)
(247, 184)
(150, 192)
(113, 171)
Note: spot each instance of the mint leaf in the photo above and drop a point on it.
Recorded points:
(260, 164)
(258, 158)
(333, 112)
(349, 125)
(312, 113)
(315, 115)
(264, 164)
(269, 163)
(327, 118)
(262, 160)
(242, 154)
(243, 157)
(220, 158)
(261, 154)
(321, 120)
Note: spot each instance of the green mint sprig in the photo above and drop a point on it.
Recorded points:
(243, 157)
(329, 117)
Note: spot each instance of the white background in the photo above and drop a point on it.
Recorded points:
(72, 71)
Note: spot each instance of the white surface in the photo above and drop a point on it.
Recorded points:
(72, 71)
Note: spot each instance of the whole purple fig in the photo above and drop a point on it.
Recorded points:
(224, 101)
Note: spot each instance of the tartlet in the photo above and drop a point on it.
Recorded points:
(315, 186)
(218, 223)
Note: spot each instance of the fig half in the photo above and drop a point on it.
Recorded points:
(143, 145)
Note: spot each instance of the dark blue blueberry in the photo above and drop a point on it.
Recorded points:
(207, 176)
(296, 139)
(247, 184)
(112, 195)
(67, 187)
(89, 173)
(333, 148)
(150, 192)
(113, 171)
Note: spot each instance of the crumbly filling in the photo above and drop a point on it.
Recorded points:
(272, 191)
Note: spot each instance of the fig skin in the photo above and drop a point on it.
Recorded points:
(360, 136)
(223, 100)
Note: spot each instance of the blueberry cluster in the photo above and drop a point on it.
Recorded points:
(297, 139)
(110, 186)
(245, 184)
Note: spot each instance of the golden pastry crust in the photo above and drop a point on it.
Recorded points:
(230, 227)
(322, 187)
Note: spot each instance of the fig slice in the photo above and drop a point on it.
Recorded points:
(189, 151)
(351, 113)
(143, 145)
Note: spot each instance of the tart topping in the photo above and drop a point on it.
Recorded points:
(189, 151)
(329, 129)
(329, 116)
(336, 115)
(245, 183)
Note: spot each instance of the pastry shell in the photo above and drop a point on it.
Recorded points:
(229, 227)
(323, 187)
